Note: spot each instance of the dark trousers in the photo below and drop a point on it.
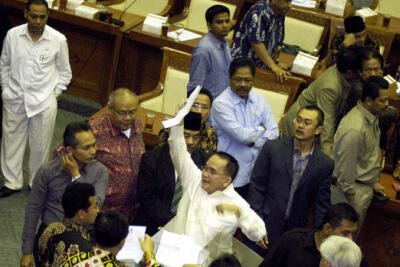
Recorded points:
(40, 231)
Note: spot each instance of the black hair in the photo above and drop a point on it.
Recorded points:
(36, 2)
(72, 129)
(242, 62)
(372, 86)
(321, 116)
(110, 228)
(368, 54)
(232, 167)
(215, 10)
(205, 91)
(76, 197)
(339, 212)
(226, 260)
(348, 59)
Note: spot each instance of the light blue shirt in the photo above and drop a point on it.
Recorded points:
(240, 123)
(209, 65)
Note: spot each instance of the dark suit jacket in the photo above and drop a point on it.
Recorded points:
(156, 187)
(271, 182)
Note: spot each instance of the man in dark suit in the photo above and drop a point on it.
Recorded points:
(290, 176)
(158, 189)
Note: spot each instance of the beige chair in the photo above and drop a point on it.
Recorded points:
(280, 96)
(307, 29)
(245, 255)
(389, 7)
(383, 38)
(193, 14)
(171, 88)
(143, 7)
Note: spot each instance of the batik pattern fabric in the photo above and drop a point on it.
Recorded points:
(208, 142)
(121, 155)
(61, 238)
(94, 258)
(259, 25)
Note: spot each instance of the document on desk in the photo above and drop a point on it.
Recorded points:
(131, 251)
(175, 250)
(305, 3)
(335, 7)
(304, 63)
(184, 111)
(184, 36)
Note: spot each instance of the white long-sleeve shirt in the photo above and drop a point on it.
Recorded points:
(197, 216)
(32, 72)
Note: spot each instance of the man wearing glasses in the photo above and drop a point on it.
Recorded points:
(211, 210)
(159, 189)
(243, 119)
(120, 147)
(291, 175)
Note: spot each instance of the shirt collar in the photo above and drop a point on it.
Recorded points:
(69, 223)
(215, 41)
(371, 118)
(135, 129)
(297, 150)
(228, 191)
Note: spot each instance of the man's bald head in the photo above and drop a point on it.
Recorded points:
(122, 104)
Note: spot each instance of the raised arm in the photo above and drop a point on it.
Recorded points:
(186, 169)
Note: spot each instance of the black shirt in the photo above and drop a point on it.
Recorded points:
(295, 248)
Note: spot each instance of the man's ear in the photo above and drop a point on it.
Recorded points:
(318, 130)
(209, 25)
(81, 214)
(327, 229)
(69, 149)
(26, 13)
(228, 181)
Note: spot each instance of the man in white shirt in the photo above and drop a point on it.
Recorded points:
(210, 209)
(34, 70)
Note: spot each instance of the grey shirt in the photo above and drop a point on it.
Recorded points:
(47, 189)
(356, 149)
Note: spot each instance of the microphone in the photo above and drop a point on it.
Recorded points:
(119, 22)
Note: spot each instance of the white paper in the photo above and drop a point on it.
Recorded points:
(131, 251)
(304, 63)
(184, 111)
(86, 12)
(335, 7)
(175, 250)
(185, 35)
(153, 23)
(365, 13)
(305, 3)
(73, 4)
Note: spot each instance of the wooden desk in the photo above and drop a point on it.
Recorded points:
(141, 57)
(151, 138)
(288, 60)
(94, 48)
(380, 234)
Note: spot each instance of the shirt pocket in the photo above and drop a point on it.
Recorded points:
(47, 59)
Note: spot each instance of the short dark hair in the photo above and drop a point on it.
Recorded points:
(372, 86)
(321, 116)
(72, 129)
(76, 197)
(215, 10)
(226, 260)
(339, 212)
(348, 59)
(36, 2)
(110, 228)
(232, 167)
(205, 91)
(242, 62)
(368, 54)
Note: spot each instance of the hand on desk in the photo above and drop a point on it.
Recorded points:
(379, 188)
(281, 74)
(263, 243)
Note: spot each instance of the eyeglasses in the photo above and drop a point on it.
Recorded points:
(211, 171)
(200, 106)
(239, 80)
(125, 113)
(305, 122)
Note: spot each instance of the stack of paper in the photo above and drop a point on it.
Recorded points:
(369, 16)
(304, 63)
(335, 7)
(86, 12)
(305, 3)
(184, 36)
(153, 23)
(131, 251)
(393, 87)
(175, 250)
